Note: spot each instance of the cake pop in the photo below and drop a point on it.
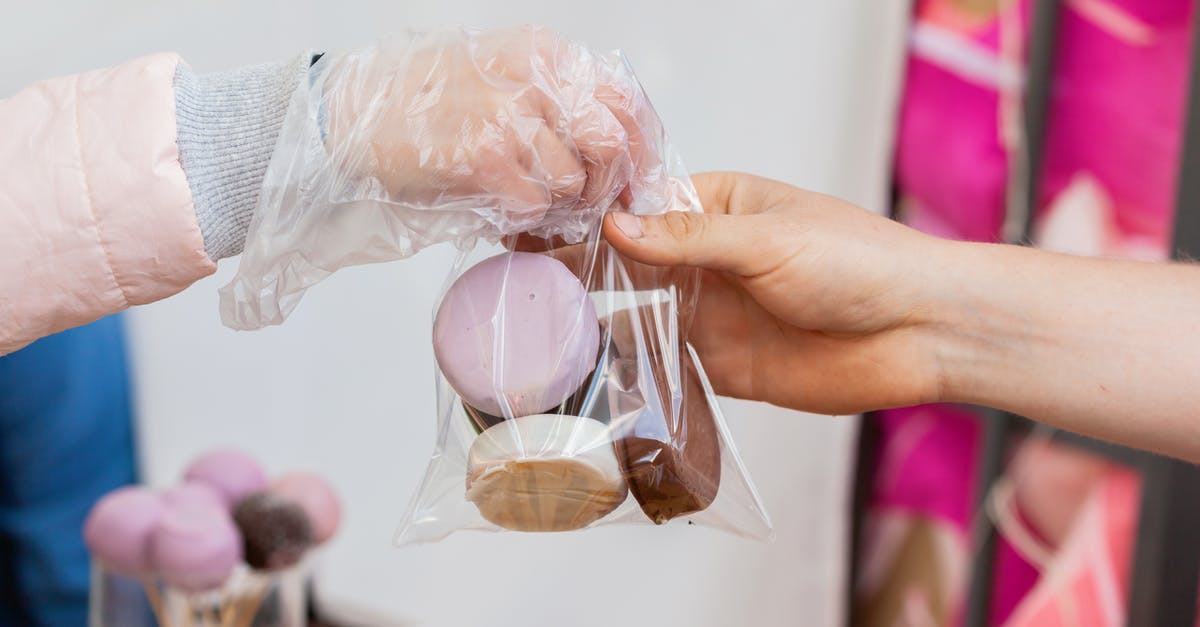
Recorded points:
(195, 546)
(276, 531)
(231, 473)
(316, 497)
(194, 493)
(119, 528)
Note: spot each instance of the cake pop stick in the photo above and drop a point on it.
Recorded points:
(229, 600)
(214, 614)
(177, 609)
(228, 612)
(154, 598)
(203, 608)
(250, 604)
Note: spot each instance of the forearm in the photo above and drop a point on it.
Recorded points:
(1102, 347)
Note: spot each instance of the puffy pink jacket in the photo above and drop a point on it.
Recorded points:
(97, 212)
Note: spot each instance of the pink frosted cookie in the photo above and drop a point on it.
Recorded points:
(516, 334)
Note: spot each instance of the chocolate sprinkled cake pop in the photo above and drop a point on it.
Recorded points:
(276, 531)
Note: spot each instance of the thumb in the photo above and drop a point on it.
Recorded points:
(729, 243)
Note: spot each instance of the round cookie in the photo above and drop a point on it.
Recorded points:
(516, 335)
(544, 473)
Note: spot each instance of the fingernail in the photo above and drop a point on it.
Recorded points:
(629, 224)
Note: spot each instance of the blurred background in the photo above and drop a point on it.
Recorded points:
(1058, 123)
(803, 91)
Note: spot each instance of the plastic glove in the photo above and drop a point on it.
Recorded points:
(448, 136)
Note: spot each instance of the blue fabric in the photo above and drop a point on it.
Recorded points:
(66, 439)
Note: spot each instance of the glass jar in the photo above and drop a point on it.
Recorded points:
(247, 599)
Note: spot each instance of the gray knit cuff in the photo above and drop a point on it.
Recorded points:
(228, 123)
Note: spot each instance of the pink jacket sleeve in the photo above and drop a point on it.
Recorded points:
(95, 211)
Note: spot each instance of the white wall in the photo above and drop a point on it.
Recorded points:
(799, 90)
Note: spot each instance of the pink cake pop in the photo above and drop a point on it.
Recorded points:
(316, 497)
(231, 473)
(194, 493)
(119, 528)
(516, 334)
(195, 546)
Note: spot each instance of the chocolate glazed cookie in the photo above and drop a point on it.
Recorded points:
(665, 439)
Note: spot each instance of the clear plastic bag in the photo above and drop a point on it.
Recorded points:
(597, 410)
(567, 394)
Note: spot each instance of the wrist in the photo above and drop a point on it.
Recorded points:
(981, 328)
(227, 126)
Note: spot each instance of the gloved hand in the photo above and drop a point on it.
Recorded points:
(448, 136)
(522, 120)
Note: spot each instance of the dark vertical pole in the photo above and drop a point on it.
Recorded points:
(999, 425)
(864, 480)
(1038, 84)
(1186, 243)
(1166, 564)
(1167, 556)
